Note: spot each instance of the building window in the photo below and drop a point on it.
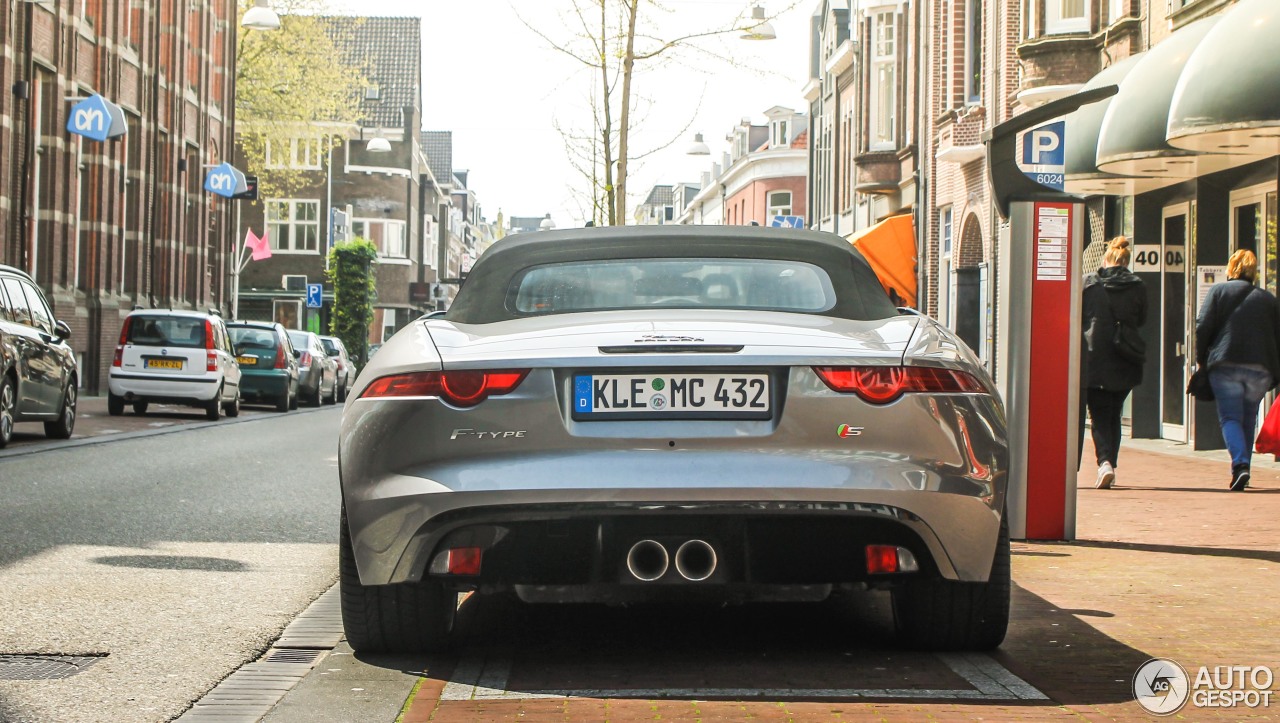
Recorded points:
(780, 139)
(944, 94)
(1030, 14)
(301, 153)
(779, 203)
(1067, 16)
(884, 80)
(1119, 9)
(388, 236)
(944, 267)
(973, 53)
(294, 226)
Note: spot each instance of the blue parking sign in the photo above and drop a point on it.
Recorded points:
(1044, 154)
(315, 296)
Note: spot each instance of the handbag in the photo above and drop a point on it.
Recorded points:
(1269, 438)
(1198, 385)
(1129, 344)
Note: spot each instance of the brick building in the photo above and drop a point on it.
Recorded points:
(104, 226)
(384, 192)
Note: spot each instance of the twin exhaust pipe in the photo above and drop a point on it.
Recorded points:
(648, 560)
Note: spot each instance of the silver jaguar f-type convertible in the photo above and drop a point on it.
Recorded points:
(618, 415)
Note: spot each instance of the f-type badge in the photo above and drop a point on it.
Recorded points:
(478, 434)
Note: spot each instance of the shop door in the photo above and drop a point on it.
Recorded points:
(1173, 331)
(1253, 227)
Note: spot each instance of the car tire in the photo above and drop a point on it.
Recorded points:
(342, 392)
(66, 422)
(140, 407)
(8, 409)
(313, 399)
(233, 408)
(333, 394)
(950, 615)
(285, 402)
(293, 398)
(115, 405)
(403, 618)
(213, 408)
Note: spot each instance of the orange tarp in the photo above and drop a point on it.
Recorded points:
(890, 248)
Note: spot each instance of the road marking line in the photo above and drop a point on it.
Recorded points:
(478, 677)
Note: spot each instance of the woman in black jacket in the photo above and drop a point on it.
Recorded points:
(1238, 341)
(1114, 308)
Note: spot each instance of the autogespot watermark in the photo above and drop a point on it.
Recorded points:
(1163, 687)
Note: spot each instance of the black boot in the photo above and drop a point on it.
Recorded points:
(1239, 477)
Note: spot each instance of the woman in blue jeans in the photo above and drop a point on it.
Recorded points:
(1238, 341)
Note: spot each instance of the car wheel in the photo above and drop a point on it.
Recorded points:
(293, 398)
(342, 392)
(332, 398)
(8, 408)
(950, 615)
(115, 405)
(407, 617)
(140, 407)
(314, 398)
(66, 422)
(233, 409)
(213, 408)
(284, 403)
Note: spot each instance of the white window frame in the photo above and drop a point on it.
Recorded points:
(776, 207)
(780, 135)
(1119, 9)
(305, 153)
(1056, 24)
(402, 250)
(972, 95)
(294, 223)
(884, 95)
(946, 245)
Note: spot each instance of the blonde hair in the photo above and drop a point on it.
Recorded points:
(1117, 252)
(1243, 265)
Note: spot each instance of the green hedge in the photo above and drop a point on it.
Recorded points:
(354, 291)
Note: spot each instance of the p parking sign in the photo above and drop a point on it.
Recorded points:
(1044, 154)
(315, 296)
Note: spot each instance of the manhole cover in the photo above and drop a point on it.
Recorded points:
(293, 655)
(43, 667)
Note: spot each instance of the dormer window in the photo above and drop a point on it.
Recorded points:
(781, 139)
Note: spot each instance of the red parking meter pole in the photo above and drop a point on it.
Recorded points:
(1041, 341)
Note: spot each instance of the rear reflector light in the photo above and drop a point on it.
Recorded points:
(465, 388)
(305, 359)
(211, 362)
(884, 384)
(280, 360)
(458, 561)
(888, 559)
(124, 339)
(211, 359)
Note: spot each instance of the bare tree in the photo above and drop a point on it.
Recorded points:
(614, 49)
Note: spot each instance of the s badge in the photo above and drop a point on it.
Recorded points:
(845, 430)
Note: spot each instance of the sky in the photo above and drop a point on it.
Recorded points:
(502, 89)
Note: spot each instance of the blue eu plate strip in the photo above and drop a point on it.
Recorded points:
(582, 393)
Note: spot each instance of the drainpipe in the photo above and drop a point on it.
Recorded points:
(28, 146)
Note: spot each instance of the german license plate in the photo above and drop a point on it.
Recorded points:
(247, 361)
(164, 363)
(694, 395)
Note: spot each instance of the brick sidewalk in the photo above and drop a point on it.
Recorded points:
(1168, 564)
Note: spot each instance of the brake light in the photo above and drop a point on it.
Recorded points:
(884, 384)
(280, 361)
(211, 357)
(888, 559)
(465, 388)
(124, 338)
(305, 359)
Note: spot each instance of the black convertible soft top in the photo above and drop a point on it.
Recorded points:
(484, 297)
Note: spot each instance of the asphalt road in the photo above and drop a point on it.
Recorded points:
(178, 556)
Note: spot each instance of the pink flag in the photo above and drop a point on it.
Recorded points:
(261, 247)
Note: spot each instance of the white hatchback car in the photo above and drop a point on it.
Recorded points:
(174, 357)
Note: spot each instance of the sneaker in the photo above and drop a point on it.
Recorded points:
(1240, 479)
(1106, 476)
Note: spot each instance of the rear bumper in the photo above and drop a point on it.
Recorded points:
(145, 387)
(263, 384)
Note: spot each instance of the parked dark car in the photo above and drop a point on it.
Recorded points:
(269, 369)
(334, 347)
(317, 373)
(37, 369)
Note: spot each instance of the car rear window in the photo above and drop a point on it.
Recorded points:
(183, 331)
(248, 337)
(330, 347)
(300, 339)
(672, 283)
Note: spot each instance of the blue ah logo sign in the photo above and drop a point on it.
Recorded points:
(97, 118)
(225, 180)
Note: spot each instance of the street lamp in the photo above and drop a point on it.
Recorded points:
(761, 30)
(547, 224)
(260, 17)
(378, 144)
(698, 147)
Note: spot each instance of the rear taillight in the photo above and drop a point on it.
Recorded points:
(881, 385)
(280, 361)
(460, 388)
(305, 359)
(124, 338)
(211, 355)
